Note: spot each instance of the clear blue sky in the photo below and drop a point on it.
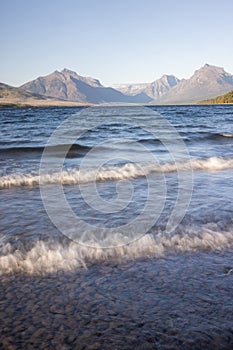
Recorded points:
(116, 41)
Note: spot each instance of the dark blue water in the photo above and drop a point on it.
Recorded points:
(113, 181)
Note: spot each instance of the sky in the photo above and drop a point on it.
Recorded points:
(115, 41)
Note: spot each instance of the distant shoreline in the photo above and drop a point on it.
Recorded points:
(79, 104)
(43, 105)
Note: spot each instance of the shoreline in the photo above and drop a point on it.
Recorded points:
(80, 104)
(42, 105)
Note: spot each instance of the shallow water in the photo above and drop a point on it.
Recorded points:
(131, 246)
(181, 302)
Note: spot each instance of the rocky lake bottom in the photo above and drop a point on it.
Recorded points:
(177, 302)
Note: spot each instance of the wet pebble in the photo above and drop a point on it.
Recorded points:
(95, 346)
(173, 331)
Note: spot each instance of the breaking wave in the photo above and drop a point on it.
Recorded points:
(227, 137)
(120, 172)
(51, 257)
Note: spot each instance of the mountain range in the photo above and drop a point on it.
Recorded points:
(154, 90)
(68, 88)
(68, 85)
(206, 82)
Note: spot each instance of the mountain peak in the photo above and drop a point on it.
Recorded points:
(209, 72)
(206, 82)
(68, 71)
(89, 80)
(171, 80)
(207, 65)
(210, 67)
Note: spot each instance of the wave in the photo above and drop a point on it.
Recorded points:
(203, 136)
(56, 149)
(150, 141)
(51, 257)
(226, 135)
(14, 147)
(114, 173)
(194, 137)
(220, 136)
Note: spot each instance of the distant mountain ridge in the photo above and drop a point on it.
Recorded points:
(67, 86)
(7, 91)
(70, 86)
(155, 90)
(206, 82)
(10, 95)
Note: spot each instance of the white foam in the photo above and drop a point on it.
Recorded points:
(126, 171)
(226, 135)
(46, 258)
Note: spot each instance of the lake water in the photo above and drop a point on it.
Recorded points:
(127, 173)
(117, 194)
